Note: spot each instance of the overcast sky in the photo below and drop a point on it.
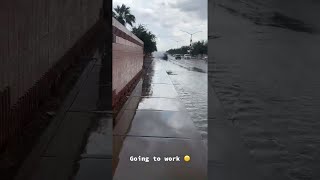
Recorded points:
(166, 19)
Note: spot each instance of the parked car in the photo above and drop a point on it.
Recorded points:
(187, 56)
(205, 58)
(178, 56)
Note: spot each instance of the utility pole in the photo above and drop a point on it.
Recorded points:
(191, 37)
(176, 41)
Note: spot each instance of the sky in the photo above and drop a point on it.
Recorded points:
(166, 19)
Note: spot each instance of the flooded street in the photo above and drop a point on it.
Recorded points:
(264, 67)
(191, 81)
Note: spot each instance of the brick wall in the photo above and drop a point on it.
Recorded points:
(35, 35)
(127, 59)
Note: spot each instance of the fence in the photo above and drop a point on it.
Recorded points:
(35, 40)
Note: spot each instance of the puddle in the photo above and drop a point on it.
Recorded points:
(171, 73)
(197, 70)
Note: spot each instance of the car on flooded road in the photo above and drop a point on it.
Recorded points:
(187, 56)
(177, 56)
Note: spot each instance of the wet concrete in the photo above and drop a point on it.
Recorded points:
(189, 77)
(99, 141)
(157, 78)
(158, 90)
(92, 168)
(154, 122)
(155, 104)
(84, 117)
(160, 147)
(196, 65)
(95, 98)
(96, 158)
(94, 95)
(264, 70)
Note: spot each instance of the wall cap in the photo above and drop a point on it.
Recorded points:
(118, 25)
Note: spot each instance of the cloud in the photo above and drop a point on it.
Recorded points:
(198, 8)
(166, 19)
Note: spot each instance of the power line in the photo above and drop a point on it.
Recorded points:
(191, 34)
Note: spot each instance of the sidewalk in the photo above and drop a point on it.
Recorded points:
(57, 152)
(154, 122)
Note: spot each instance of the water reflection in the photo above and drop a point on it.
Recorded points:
(190, 81)
(154, 121)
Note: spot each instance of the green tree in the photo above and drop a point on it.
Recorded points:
(200, 47)
(148, 38)
(123, 15)
(181, 50)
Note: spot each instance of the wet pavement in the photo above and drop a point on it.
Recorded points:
(155, 122)
(85, 116)
(190, 79)
(264, 68)
(196, 65)
(95, 161)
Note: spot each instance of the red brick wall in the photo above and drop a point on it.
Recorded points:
(36, 34)
(127, 58)
(35, 38)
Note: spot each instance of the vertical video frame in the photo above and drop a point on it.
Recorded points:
(159, 89)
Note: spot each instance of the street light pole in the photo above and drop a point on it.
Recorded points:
(191, 37)
(176, 41)
(177, 44)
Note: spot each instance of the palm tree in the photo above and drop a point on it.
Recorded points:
(123, 15)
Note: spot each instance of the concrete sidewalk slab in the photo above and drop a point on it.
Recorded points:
(159, 78)
(95, 94)
(67, 142)
(156, 104)
(99, 141)
(96, 159)
(53, 168)
(160, 147)
(157, 90)
(34, 160)
(59, 148)
(156, 124)
(94, 169)
(92, 97)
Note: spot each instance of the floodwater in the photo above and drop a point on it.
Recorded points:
(190, 80)
(264, 67)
